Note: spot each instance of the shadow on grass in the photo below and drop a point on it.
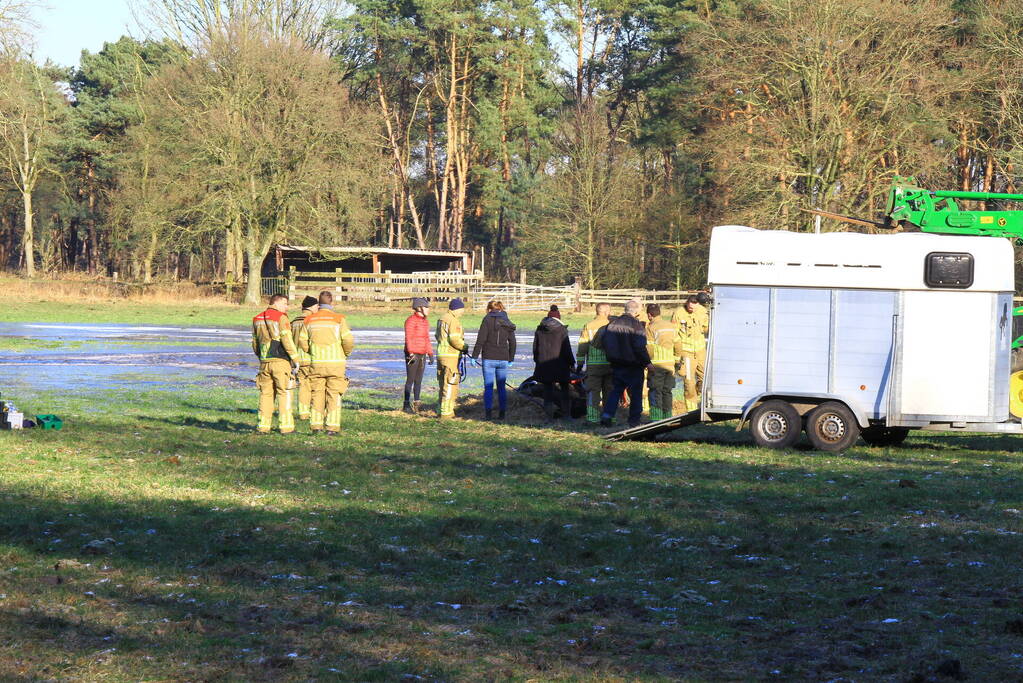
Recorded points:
(512, 525)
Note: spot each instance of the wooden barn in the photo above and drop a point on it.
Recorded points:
(365, 260)
(370, 274)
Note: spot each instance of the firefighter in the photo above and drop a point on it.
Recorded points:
(692, 328)
(273, 344)
(328, 340)
(665, 348)
(305, 384)
(590, 353)
(450, 347)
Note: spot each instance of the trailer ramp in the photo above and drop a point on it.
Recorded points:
(652, 429)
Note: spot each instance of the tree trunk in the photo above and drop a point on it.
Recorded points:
(416, 223)
(27, 247)
(253, 288)
(229, 273)
(147, 260)
(93, 232)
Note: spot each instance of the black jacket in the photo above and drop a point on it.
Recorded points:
(496, 338)
(552, 352)
(625, 342)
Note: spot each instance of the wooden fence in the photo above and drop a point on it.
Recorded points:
(520, 297)
(368, 289)
(383, 288)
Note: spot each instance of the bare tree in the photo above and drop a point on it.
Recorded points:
(824, 99)
(16, 25)
(196, 22)
(263, 137)
(590, 202)
(30, 111)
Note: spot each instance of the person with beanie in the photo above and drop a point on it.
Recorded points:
(418, 352)
(496, 343)
(310, 305)
(552, 353)
(450, 347)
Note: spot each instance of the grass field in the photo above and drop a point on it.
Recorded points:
(158, 538)
(207, 314)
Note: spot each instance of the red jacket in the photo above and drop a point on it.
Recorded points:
(417, 335)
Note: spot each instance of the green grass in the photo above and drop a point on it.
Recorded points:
(23, 344)
(241, 557)
(225, 315)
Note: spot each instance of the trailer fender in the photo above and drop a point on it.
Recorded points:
(810, 399)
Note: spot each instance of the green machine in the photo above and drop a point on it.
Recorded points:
(937, 211)
(912, 207)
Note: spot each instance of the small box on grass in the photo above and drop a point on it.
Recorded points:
(49, 422)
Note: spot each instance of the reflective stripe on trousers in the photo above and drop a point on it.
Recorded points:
(448, 380)
(275, 383)
(329, 384)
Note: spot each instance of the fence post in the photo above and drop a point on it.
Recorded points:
(290, 283)
(388, 283)
(578, 293)
(338, 289)
(522, 276)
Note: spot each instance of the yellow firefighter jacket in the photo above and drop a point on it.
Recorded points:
(297, 325)
(592, 353)
(450, 337)
(326, 337)
(663, 343)
(692, 328)
(271, 337)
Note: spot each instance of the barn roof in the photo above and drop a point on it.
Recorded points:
(374, 250)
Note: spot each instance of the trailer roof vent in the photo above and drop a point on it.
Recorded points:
(948, 270)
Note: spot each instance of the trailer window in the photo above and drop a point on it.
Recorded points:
(948, 270)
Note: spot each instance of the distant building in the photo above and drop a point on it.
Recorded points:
(365, 260)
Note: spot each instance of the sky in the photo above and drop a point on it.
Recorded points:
(66, 27)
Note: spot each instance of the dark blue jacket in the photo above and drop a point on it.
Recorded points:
(625, 342)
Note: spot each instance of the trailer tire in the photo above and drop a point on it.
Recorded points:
(775, 424)
(884, 436)
(832, 427)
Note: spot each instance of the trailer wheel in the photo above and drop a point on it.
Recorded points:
(832, 427)
(884, 436)
(775, 424)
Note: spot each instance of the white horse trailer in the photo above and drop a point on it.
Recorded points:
(843, 334)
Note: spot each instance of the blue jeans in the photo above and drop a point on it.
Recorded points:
(495, 371)
(626, 379)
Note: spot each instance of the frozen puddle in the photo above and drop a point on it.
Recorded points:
(83, 358)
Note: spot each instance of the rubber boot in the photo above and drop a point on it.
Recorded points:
(407, 405)
(490, 414)
(500, 415)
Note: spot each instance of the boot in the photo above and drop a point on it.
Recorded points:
(500, 414)
(407, 405)
(490, 414)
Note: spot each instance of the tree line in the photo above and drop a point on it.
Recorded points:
(592, 138)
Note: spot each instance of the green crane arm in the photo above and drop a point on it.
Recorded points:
(936, 211)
